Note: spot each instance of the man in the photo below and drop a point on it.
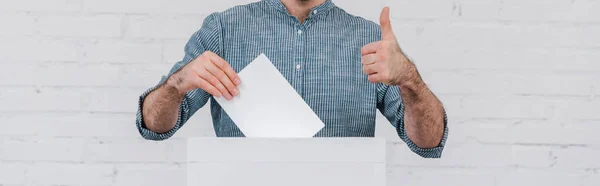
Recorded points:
(343, 66)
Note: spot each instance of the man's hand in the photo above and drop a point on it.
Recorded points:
(383, 61)
(208, 72)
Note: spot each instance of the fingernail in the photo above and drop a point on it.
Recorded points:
(236, 91)
(218, 95)
(238, 81)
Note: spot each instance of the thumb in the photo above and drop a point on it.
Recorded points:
(386, 25)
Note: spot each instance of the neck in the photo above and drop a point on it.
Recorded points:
(301, 8)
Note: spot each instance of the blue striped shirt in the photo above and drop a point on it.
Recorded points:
(320, 58)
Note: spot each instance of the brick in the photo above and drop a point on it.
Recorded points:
(483, 130)
(532, 156)
(427, 9)
(505, 107)
(540, 83)
(539, 177)
(37, 49)
(85, 26)
(17, 24)
(480, 155)
(590, 37)
(46, 5)
(576, 157)
(142, 75)
(124, 150)
(114, 100)
(119, 51)
(12, 173)
(578, 108)
(39, 99)
(173, 50)
(506, 59)
(160, 6)
(593, 179)
(68, 125)
(116, 6)
(548, 132)
(562, 10)
(70, 174)
(59, 74)
(43, 149)
(477, 9)
(366, 9)
(177, 27)
(199, 7)
(555, 132)
(499, 35)
(88, 75)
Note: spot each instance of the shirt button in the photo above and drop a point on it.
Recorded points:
(298, 67)
(299, 32)
(315, 12)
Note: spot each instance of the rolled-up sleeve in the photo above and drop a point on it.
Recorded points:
(208, 38)
(391, 106)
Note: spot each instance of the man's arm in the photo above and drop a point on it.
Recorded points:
(423, 114)
(165, 108)
(208, 72)
(161, 108)
(419, 116)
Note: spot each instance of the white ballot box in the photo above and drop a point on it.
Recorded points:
(286, 162)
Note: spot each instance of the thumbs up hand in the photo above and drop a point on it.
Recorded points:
(383, 61)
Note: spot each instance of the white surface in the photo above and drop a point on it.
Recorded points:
(290, 162)
(278, 150)
(519, 79)
(268, 106)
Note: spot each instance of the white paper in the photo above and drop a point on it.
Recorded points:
(268, 106)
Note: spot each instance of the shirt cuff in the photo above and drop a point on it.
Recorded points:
(435, 152)
(151, 135)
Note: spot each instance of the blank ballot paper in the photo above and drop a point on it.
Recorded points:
(268, 106)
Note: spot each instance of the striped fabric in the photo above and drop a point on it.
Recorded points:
(320, 58)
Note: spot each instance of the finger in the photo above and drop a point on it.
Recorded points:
(370, 48)
(370, 59)
(206, 86)
(223, 78)
(225, 67)
(215, 82)
(386, 25)
(369, 69)
(375, 78)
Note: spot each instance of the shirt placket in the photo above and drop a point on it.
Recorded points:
(299, 58)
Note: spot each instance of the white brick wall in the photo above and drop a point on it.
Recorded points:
(520, 80)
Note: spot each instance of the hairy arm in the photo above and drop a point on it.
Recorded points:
(161, 108)
(424, 114)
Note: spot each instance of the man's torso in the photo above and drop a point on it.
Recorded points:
(320, 58)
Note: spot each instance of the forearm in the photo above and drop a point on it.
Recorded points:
(423, 113)
(161, 108)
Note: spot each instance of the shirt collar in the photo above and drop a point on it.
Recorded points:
(315, 11)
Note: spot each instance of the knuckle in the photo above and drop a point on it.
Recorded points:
(207, 53)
